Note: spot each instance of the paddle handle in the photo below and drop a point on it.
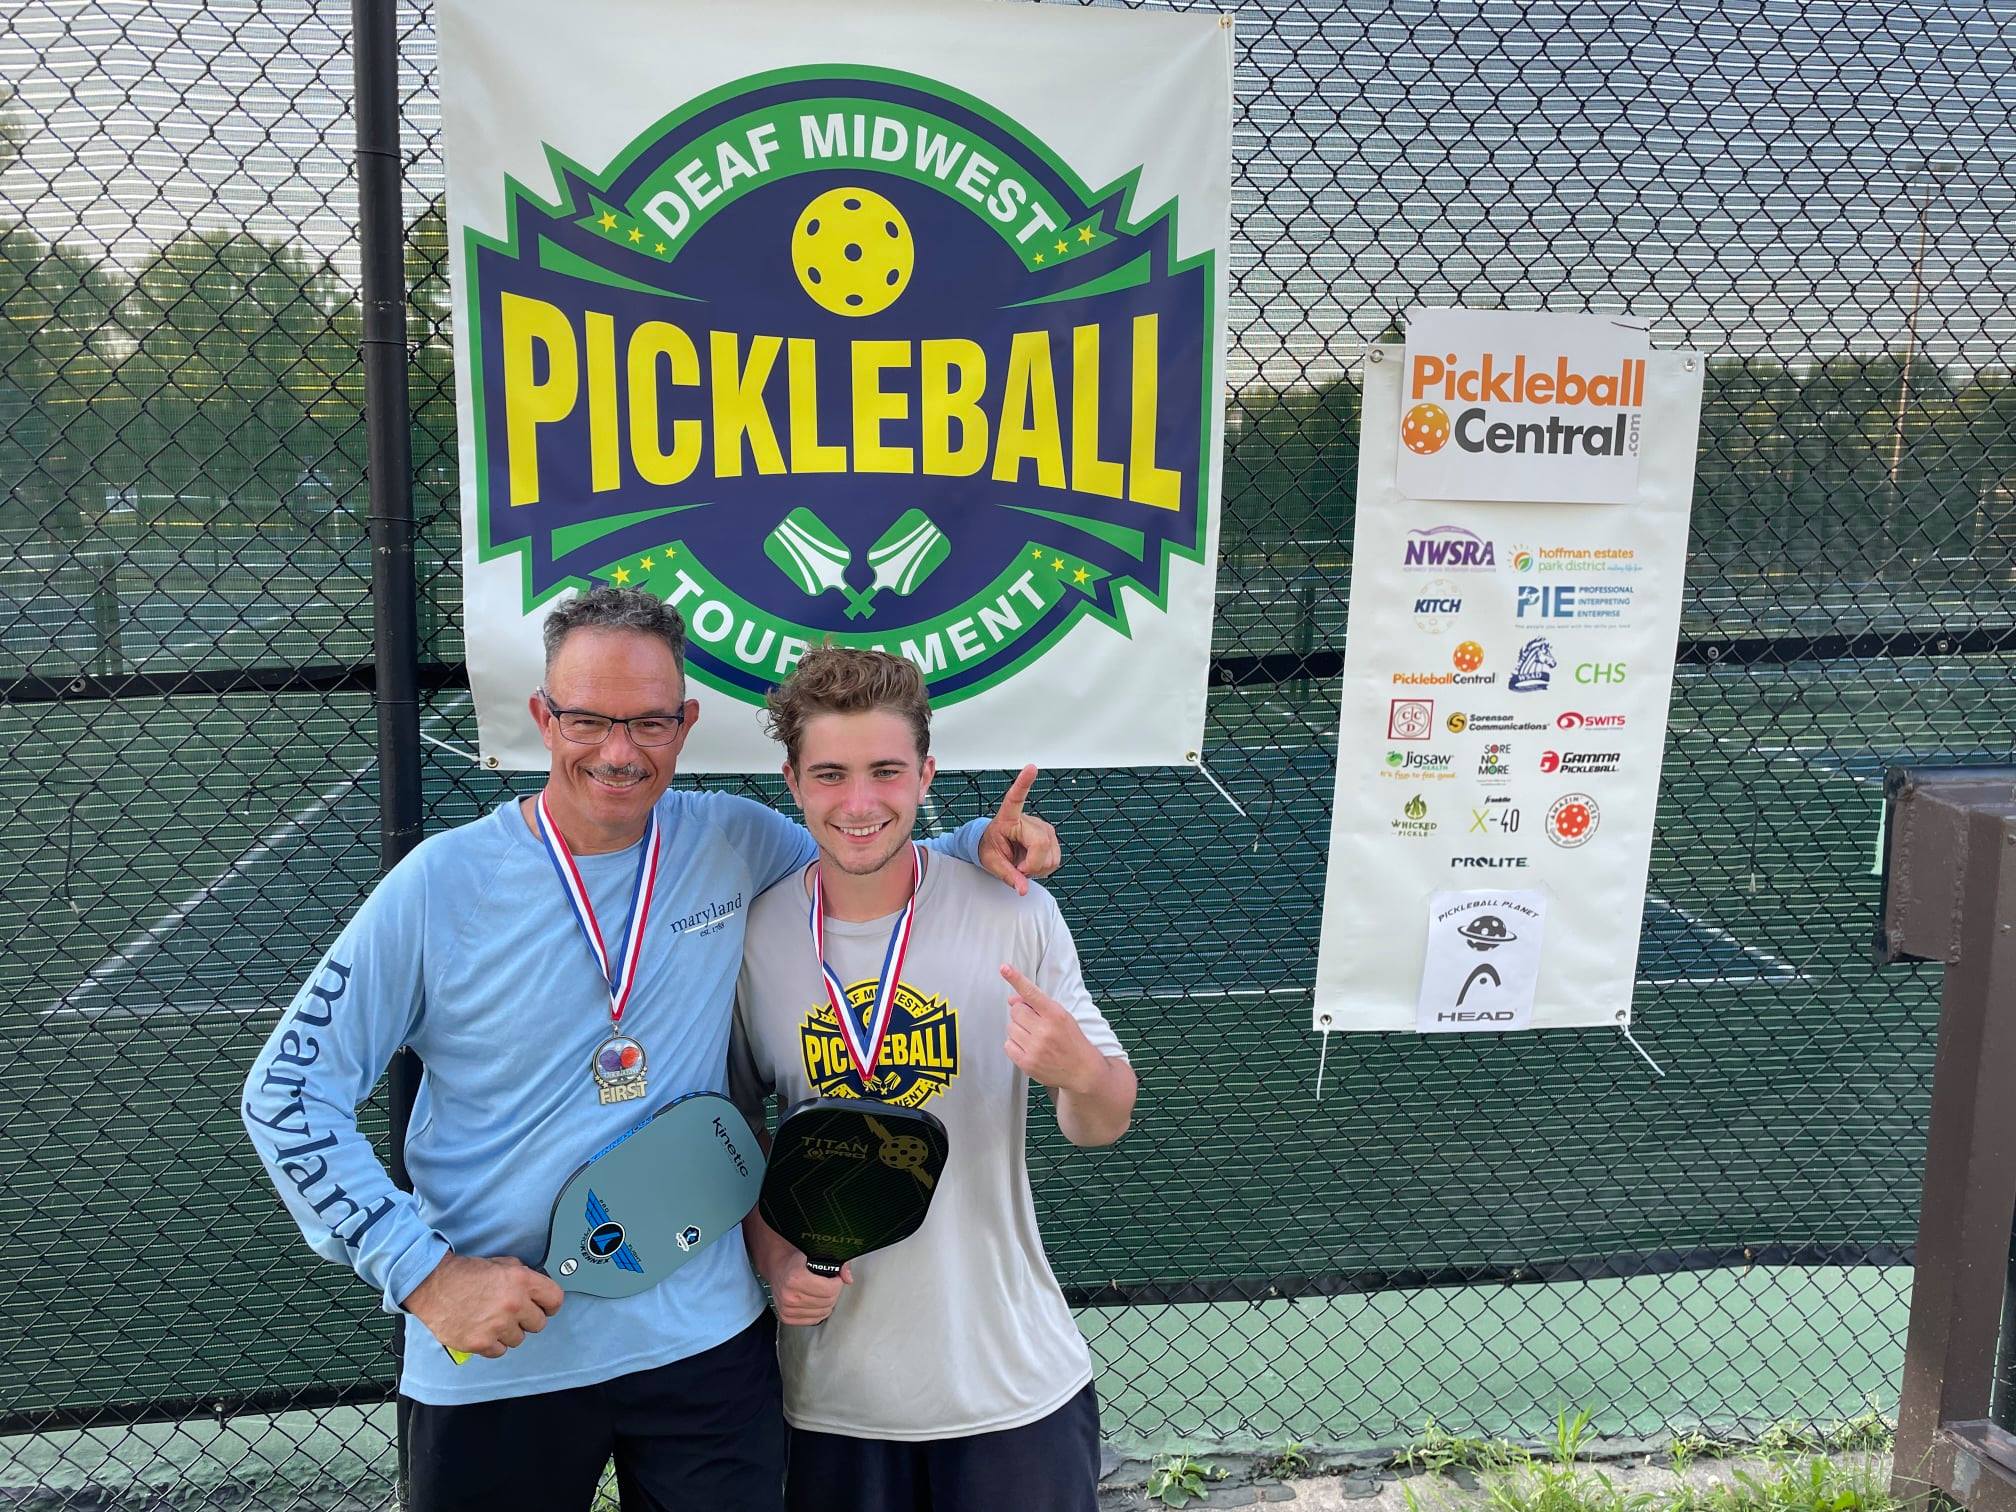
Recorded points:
(823, 1267)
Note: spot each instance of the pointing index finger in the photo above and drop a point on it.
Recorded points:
(1019, 982)
(1018, 793)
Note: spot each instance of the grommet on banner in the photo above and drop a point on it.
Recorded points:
(1196, 759)
(1625, 1030)
(1323, 1055)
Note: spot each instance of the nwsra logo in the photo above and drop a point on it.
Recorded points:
(843, 354)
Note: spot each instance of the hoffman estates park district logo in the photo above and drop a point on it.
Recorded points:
(843, 354)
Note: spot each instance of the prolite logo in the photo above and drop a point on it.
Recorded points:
(1574, 719)
(1449, 547)
(1487, 863)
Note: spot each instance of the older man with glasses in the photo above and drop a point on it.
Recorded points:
(562, 966)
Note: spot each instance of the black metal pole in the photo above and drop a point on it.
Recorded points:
(381, 239)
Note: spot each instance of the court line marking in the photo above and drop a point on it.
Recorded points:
(127, 957)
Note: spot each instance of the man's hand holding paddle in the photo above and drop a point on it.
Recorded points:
(484, 1306)
(802, 1296)
(1017, 846)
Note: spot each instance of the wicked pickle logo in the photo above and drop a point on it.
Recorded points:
(919, 1058)
(843, 354)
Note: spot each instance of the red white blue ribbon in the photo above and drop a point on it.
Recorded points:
(621, 974)
(866, 1050)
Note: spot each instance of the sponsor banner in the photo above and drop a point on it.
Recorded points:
(1532, 407)
(895, 325)
(1508, 667)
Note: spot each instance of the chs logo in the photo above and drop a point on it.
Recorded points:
(843, 355)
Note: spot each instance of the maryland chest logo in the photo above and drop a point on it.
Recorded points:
(843, 354)
(919, 1058)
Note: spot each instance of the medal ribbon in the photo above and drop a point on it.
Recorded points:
(623, 975)
(866, 1052)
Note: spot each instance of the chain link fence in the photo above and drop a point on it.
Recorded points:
(1821, 195)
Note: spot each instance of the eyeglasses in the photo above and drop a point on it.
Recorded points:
(586, 727)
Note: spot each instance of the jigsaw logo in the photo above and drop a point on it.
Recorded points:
(838, 354)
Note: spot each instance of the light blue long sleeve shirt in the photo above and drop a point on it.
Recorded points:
(469, 952)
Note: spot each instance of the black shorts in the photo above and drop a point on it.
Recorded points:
(1050, 1465)
(703, 1432)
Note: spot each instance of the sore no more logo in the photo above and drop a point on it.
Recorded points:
(842, 354)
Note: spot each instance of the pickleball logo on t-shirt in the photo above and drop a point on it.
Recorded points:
(839, 353)
(919, 1059)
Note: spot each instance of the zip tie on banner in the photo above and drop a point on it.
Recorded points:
(1625, 1030)
(1196, 759)
(1322, 1056)
(453, 750)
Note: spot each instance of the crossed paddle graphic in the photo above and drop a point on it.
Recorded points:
(807, 551)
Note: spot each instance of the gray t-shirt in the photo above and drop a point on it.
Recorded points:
(961, 1328)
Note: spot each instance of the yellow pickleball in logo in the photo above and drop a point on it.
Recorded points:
(852, 252)
(1425, 428)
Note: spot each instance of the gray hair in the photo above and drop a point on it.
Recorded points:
(606, 608)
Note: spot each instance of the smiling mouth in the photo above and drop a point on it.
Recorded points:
(620, 778)
(862, 831)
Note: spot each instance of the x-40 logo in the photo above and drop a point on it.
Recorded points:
(843, 354)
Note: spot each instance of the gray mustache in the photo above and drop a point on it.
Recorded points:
(610, 773)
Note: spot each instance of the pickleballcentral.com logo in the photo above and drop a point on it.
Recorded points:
(843, 354)
(919, 1059)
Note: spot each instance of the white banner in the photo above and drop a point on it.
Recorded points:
(1506, 677)
(897, 323)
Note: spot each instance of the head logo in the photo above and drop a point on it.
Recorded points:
(1425, 429)
(840, 354)
(1572, 820)
(1469, 656)
(1536, 667)
(919, 1058)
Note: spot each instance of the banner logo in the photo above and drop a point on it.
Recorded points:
(843, 354)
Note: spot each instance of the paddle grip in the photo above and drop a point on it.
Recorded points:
(823, 1267)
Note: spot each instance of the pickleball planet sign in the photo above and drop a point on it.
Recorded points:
(843, 355)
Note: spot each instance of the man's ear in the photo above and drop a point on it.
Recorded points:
(930, 771)
(791, 781)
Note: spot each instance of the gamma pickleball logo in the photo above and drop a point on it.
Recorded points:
(846, 355)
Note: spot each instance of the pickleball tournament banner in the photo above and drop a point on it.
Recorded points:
(896, 323)
(1508, 667)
